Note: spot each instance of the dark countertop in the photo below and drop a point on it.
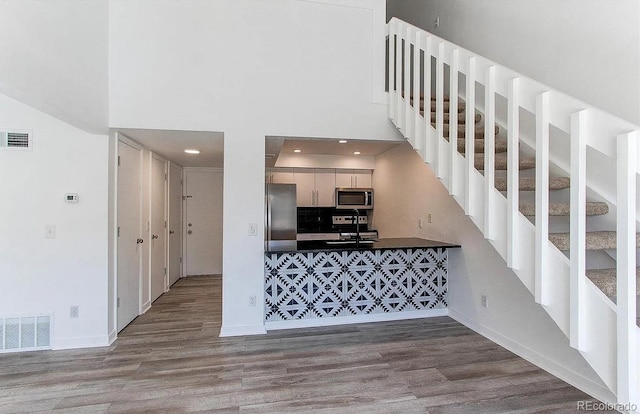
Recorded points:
(380, 244)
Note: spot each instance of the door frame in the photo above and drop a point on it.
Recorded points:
(119, 137)
(165, 230)
(170, 165)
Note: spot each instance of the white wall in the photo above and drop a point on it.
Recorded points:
(53, 57)
(41, 275)
(586, 48)
(406, 190)
(251, 69)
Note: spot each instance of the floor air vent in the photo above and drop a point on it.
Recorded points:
(25, 333)
(15, 140)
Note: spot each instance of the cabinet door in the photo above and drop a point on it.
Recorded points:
(282, 176)
(362, 178)
(325, 188)
(344, 179)
(305, 186)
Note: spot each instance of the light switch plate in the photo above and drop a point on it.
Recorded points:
(253, 229)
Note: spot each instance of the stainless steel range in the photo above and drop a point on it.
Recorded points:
(346, 225)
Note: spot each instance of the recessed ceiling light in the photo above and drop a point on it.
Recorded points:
(297, 150)
(356, 152)
(342, 141)
(192, 151)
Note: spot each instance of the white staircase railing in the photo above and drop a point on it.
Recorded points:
(422, 64)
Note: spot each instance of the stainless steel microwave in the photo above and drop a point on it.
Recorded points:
(350, 198)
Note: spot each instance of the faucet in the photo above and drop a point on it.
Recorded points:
(356, 219)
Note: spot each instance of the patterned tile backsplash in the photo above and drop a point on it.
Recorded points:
(345, 283)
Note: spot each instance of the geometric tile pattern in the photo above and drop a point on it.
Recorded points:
(342, 283)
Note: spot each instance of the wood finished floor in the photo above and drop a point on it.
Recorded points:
(170, 360)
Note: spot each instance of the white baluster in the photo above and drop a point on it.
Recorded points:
(407, 83)
(453, 118)
(416, 89)
(489, 150)
(398, 72)
(628, 377)
(439, 107)
(470, 135)
(578, 230)
(542, 196)
(513, 171)
(428, 148)
(391, 72)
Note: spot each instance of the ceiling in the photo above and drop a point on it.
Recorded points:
(171, 145)
(324, 146)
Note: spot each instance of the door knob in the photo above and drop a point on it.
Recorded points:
(154, 237)
(139, 241)
(189, 232)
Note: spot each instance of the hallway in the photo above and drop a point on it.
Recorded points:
(171, 360)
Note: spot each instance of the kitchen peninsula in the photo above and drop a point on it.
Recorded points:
(312, 283)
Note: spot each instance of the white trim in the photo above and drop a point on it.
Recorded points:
(145, 307)
(571, 377)
(113, 335)
(242, 330)
(79, 342)
(203, 169)
(344, 320)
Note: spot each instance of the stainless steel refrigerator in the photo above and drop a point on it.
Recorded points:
(281, 218)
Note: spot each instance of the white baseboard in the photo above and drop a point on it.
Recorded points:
(343, 320)
(80, 342)
(113, 335)
(145, 307)
(242, 330)
(576, 379)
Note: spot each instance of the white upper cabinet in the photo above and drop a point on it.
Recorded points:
(353, 178)
(315, 187)
(325, 188)
(279, 176)
(305, 179)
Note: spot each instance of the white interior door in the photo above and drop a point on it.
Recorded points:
(129, 219)
(158, 247)
(175, 223)
(203, 239)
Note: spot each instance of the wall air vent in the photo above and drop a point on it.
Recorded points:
(15, 140)
(25, 333)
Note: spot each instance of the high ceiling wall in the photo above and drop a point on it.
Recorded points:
(589, 49)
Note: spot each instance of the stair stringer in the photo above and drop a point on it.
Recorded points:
(600, 316)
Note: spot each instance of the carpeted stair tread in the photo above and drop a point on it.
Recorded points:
(526, 163)
(501, 145)
(445, 106)
(595, 240)
(462, 118)
(605, 279)
(563, 209)
(529, 183)
(479, 130)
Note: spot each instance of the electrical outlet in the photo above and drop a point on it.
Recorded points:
(436, 22)
(484, 301)
(419, 223)
(74, 311)
(429, 218)
(252, 301)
